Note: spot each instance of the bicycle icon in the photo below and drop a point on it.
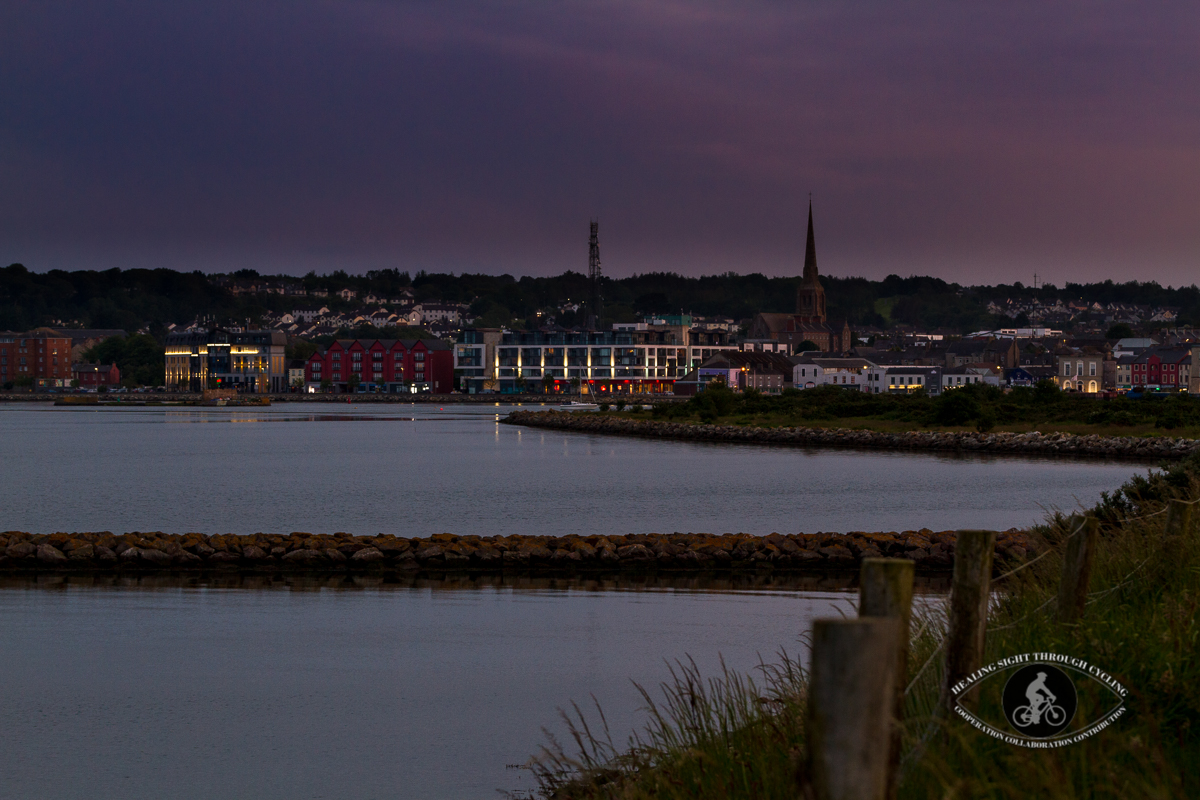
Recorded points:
(1024, 716)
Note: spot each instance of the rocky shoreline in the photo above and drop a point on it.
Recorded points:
(1034, 443)
(341, 552)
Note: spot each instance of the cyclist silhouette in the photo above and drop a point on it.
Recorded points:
(1039, 697)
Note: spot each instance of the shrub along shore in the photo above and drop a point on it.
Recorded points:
(1033, 443)
(341, 552)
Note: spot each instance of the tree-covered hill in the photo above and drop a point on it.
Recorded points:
(136, 299)
(126, 299)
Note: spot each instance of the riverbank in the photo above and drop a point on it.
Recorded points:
(105, 552)
(1033, 443)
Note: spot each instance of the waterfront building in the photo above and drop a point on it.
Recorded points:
(1079, 370)
(637, 358)
(295, 373)
(1193, 383)
(246, 361)
(958, 377)
(1125, 372)
(769, 373)
(1162, 369)
(1022, 376)
(903, 380)
(93, 376)
(810, 372)
(41, 356)
(393, 366)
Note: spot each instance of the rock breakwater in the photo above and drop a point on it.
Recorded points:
(1034, 443)
(342, 552)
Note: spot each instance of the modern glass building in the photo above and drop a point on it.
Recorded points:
(642, 359)
(249, 361)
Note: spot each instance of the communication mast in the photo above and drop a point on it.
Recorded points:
(595, 301)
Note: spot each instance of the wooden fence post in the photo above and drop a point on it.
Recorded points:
(967, 617)
(1179, 518)
(1077, 571)
(885, 589)
(850, 692)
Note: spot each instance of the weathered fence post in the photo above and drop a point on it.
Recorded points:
(850, 694)
(1077, 570)
(885, 590)
(1179, 518)
(967, 617)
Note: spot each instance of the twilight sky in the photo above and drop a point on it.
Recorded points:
(979, 142)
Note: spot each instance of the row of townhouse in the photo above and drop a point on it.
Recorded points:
(771, 373)
(1144, 367)
(393, 366)
(877, 379)
(422, 315)
(1088, 369)
(239, 286)
(1033, 309)
(1159, 368)
(764, 371)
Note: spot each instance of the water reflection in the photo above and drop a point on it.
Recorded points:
(466, 474)
(245, 686)
(844, 581)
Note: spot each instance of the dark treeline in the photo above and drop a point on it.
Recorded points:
(139, 357)
(136, 299)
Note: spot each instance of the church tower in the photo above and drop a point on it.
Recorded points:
(810, 297)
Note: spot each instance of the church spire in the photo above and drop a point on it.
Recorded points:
(810, 251)
(810, 295)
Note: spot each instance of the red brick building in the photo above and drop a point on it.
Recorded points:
(41, 355)
(93, 376)
(1162, 368)
(384, 365)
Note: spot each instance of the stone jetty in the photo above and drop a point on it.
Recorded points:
(341, 552)
(1034, 443)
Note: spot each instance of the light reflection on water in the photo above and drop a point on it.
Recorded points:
(463, 472)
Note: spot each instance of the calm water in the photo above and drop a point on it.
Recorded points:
(317, 691)
(391, 693)
(418, 470)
